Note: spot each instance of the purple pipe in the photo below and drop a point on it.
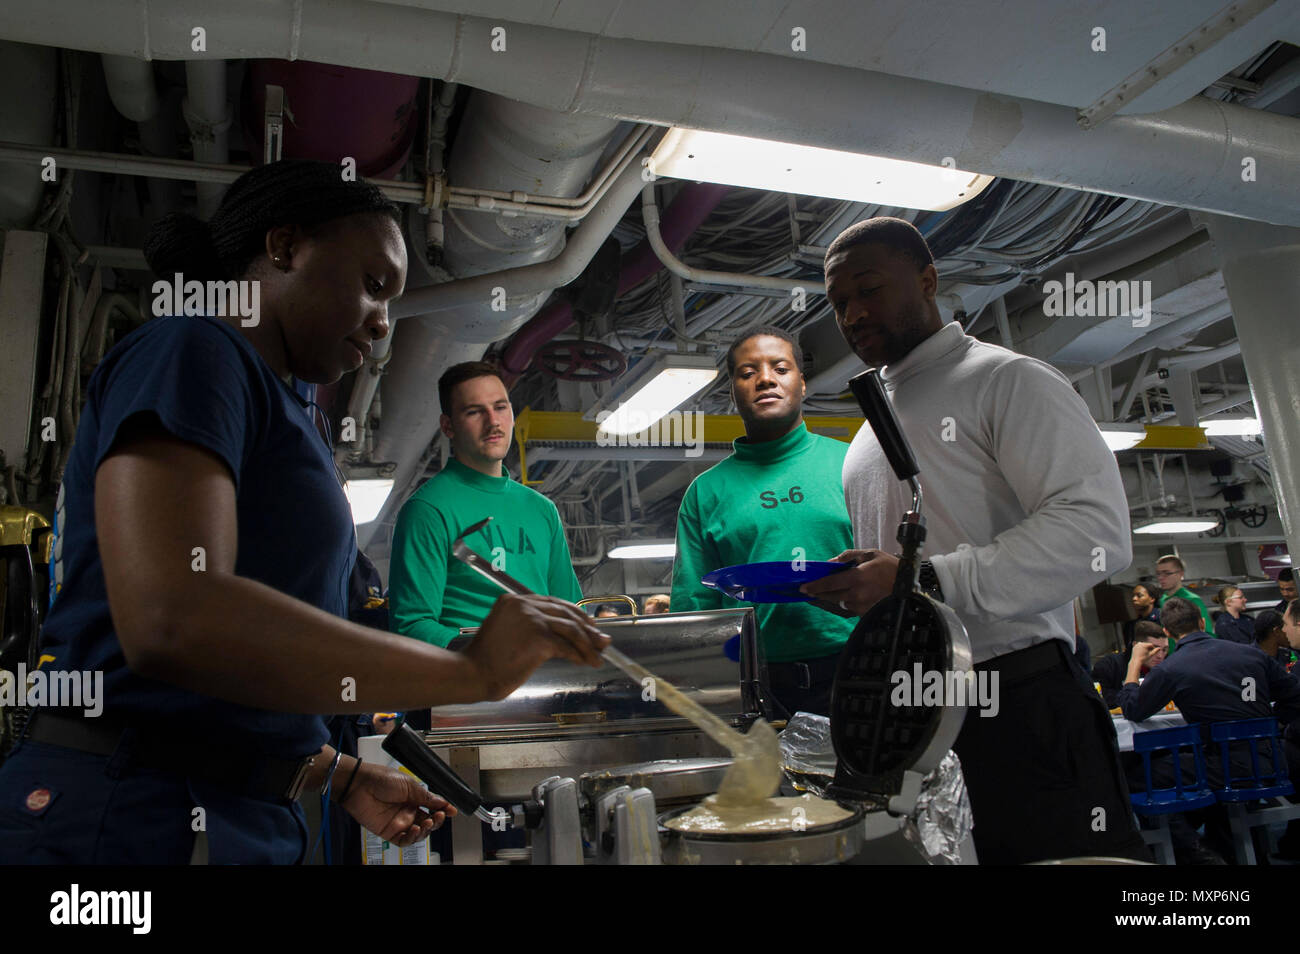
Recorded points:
(681, 218)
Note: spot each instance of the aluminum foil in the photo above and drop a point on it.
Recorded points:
(942, 814)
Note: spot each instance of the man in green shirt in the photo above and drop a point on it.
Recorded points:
(1169, 574)
(778, 497)
(432, 594)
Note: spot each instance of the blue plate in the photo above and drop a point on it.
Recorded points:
(770, 582)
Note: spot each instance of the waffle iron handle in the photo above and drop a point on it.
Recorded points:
(870, 393)
(409, 748)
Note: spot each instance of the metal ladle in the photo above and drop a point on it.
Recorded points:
(755, 772)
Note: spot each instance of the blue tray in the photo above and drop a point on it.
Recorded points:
(777, 582)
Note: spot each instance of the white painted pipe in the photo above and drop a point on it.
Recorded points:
(650, 217)
(1261, 270)
(1183, 327)
(208, 115)
(1192, 360)
(500, 144)
(529, 280)
(835, 378)
(131, 87)
(1190, 155)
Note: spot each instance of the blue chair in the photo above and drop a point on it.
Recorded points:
(1240, 794)
(1183, 796)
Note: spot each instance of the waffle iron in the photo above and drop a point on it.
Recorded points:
(884, 750)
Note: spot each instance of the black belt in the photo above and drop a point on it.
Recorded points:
(1024, 663)
(256, 775)
(804, 673)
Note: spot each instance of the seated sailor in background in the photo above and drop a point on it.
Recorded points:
(431, 594)
(1210, 680)
(778, 497)
(1272, 638)
(1109, 670)
(1233, 622)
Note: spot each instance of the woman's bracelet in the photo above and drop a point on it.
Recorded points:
(329, 773)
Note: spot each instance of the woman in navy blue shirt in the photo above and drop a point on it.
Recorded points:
(1233, 623)
(203, 560)
(1147, 606)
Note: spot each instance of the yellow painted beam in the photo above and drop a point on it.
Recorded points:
(560, 426)
(1173, 438)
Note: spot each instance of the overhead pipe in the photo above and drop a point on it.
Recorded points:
(1183, 327)
(528, 281)
(1184, 361)
(650, 217)
(520, 284)
(1203, 411)
(435, 164)
(1261, 270)
(29, 76)
(683, 216)
(208, 115)
(1189, 155)
(131, 87)
(159, 168)
(407, 193)
(500, 144)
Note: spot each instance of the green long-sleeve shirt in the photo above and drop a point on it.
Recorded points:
(431, 594)
(770, 501)
(1183, 593)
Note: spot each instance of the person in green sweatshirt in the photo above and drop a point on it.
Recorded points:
(431, 594)
(1169, 574)
(777, 497)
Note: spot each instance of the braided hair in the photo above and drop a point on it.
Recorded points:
(303, 192)
(1265, 623)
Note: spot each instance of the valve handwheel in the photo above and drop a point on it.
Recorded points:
(1253, 516)
(574, 360)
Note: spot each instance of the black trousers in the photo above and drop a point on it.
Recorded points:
(803, 686)
(1043, 775)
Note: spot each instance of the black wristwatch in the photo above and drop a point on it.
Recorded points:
(928, 581)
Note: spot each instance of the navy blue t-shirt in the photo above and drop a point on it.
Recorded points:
(206, 385)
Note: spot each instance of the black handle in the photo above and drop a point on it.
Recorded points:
(408, 747)
(879, 412)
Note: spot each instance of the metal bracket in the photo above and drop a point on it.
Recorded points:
(275, 110)
(559, 841)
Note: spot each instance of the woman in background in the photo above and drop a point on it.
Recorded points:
(1234, 623)
(1146, 604)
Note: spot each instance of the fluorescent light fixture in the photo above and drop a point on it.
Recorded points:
(644, 550)
(1178, 525)
(809, 170)
(1232, 427)
(366, 497)
(657, 386)
(1120, 437)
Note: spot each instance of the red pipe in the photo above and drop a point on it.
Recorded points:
(686, 213)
